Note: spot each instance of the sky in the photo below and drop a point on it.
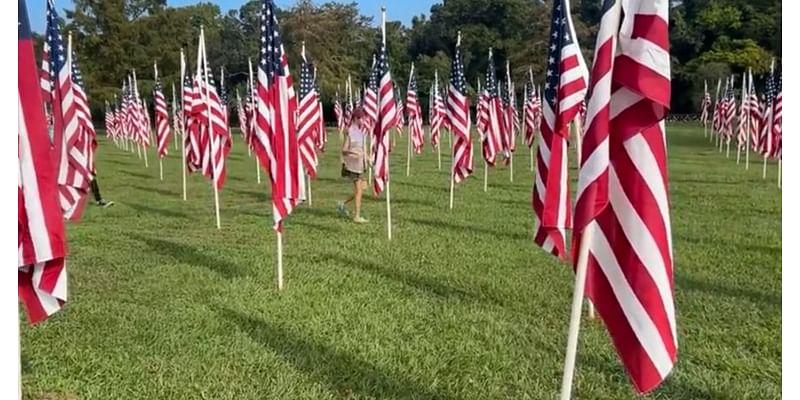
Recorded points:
(401, 10)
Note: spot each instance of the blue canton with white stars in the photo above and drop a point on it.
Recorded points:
(457, 78)
(57, 55)
(270, 58)
(306, 80)
(491, 78)
(559, 38)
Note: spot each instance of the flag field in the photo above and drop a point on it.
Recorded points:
(460, 304)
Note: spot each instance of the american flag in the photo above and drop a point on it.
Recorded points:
(716, 117)
(109, 122)
(386, 119)
(744, 111)
(215, 143)
(83, 111)
(347, 113)
(41, 241)
(730, 111)
(73, 138)
(509, 121)
(531, 111)
(414, 113)
(768, 114)
(622, 207)
(490, 115)
(338, 113)
(275, 133)
(321, 137)
(370, 100)
(564, 90)
(458, 117)
(705, 104)
(241, 115)
(307, 118)
(191, 134)
(162, 119)
(401, 119)
(437, 115)
(777, 121)
(755, 114)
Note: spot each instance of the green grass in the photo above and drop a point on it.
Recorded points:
(459, 305)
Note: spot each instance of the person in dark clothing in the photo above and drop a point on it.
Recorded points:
(98, 199)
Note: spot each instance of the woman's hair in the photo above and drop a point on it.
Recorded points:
(358, 113)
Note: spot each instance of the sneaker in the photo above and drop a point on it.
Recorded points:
(360, 220)
(105, 204)
(341, 209)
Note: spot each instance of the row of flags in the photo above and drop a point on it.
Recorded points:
(621, 225)
(757, 124)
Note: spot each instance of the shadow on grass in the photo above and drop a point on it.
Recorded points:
(444, 188)
(469, 229)
(344, 374)
(419, 202)
(254, 195)
(162, 192)
(118, 162)
(756, 296)
(312, 225)
(431, 285)
(157, 211)
(135, 174)
(186, 254)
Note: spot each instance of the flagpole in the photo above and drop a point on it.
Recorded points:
(202, 53)
(705, 123)
(174, 113)
(732, 104)
(388, 181)
(160, 163)
(744, 124)
(435, 92)
(279, 237)
(769, 126)
(533, 134)
(749, 120)
(575, 316)
(723, 118)
(147, 128)
(183, 124)
(252, 107)
(578, 128)
(714, 134)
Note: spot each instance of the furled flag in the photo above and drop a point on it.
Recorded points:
(163, 131)
(744, 111)
(347, 112)
(564, 90)
(622, 223)
(490, 115)
(322, 133)
(531, 112)
(385, 121)
(716, 116)
(191, 134)
(41, 242)
(510, 121)
(730, 112)
(370, 100)
(458, 118)
(338, 112)
(414, 113)
(768, 114)
(777, 120)
(215, 145)
(241, 114)
(437, 114)
(705, 104)
(307, 117)
(109, 122)
(755, 114)
(275, 133)
(73, 139)
(401, 119)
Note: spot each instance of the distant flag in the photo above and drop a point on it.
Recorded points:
(370, 100)
(530, 111)
(401, 120)
(768, 115)
(730, 112)
(564, 90)
(307, 117)
(490, 115)
(215, 144)
(41, 241)
(777, 119)
(386, 118)
(163, 131)
(755, 114)
(459, 119)
(437, 113)
(705, 104)
(321, 136)
(414, 113)
(338, 112)
(192, 105)
(716, 117)
(744, 111)
(622, 234)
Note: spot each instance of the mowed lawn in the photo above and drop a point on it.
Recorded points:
(459, 305)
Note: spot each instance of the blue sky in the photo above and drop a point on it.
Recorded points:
(401, 10)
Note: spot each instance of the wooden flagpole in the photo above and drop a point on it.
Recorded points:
(388, 181)
(183, 124)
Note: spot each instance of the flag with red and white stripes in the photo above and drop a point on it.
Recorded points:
(386, 119)
(705, 104)
(192, 127)
(531, 113)
(73, 133)
(370, 100)
(275, 139)
(777, 122)
(163, 131)
(41, 242)
(754, 128)
(307, 118)
(730, 112)
(401, 119)
(338, 113)
(717, 115)
(437, 115)
(767, 139)
(510, 121)
(622, 209)
(490, 115)
(414, 114)
(321, 138)
(744, 111)
(215, 144)
(458, 117)
(564, 91)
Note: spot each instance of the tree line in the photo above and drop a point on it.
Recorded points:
(709, 39)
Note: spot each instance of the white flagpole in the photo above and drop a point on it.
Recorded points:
(279, 237)
(160, 163)
(705, 123)
(183, 124)
(744, 97)
(780, 165)
(732, 104)
(575, 316)
(253, 108)
(388, 181)
(144, 109)
(207, 99)
(714, 134)
(174, 117)
(723, 118)
(578, 128)
(749, 121)
(408, 154)
(435, 92)
(769, 126)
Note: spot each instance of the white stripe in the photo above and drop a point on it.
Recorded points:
(48, 302)
(635, 314)
(642, 243)
(30, 191)
(595, 165)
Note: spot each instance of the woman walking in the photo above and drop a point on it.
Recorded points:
(354, 156)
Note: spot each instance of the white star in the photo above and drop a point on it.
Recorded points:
(551, 60)
(553, 47)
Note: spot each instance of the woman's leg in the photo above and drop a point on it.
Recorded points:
(359, 185)
(352, 196)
